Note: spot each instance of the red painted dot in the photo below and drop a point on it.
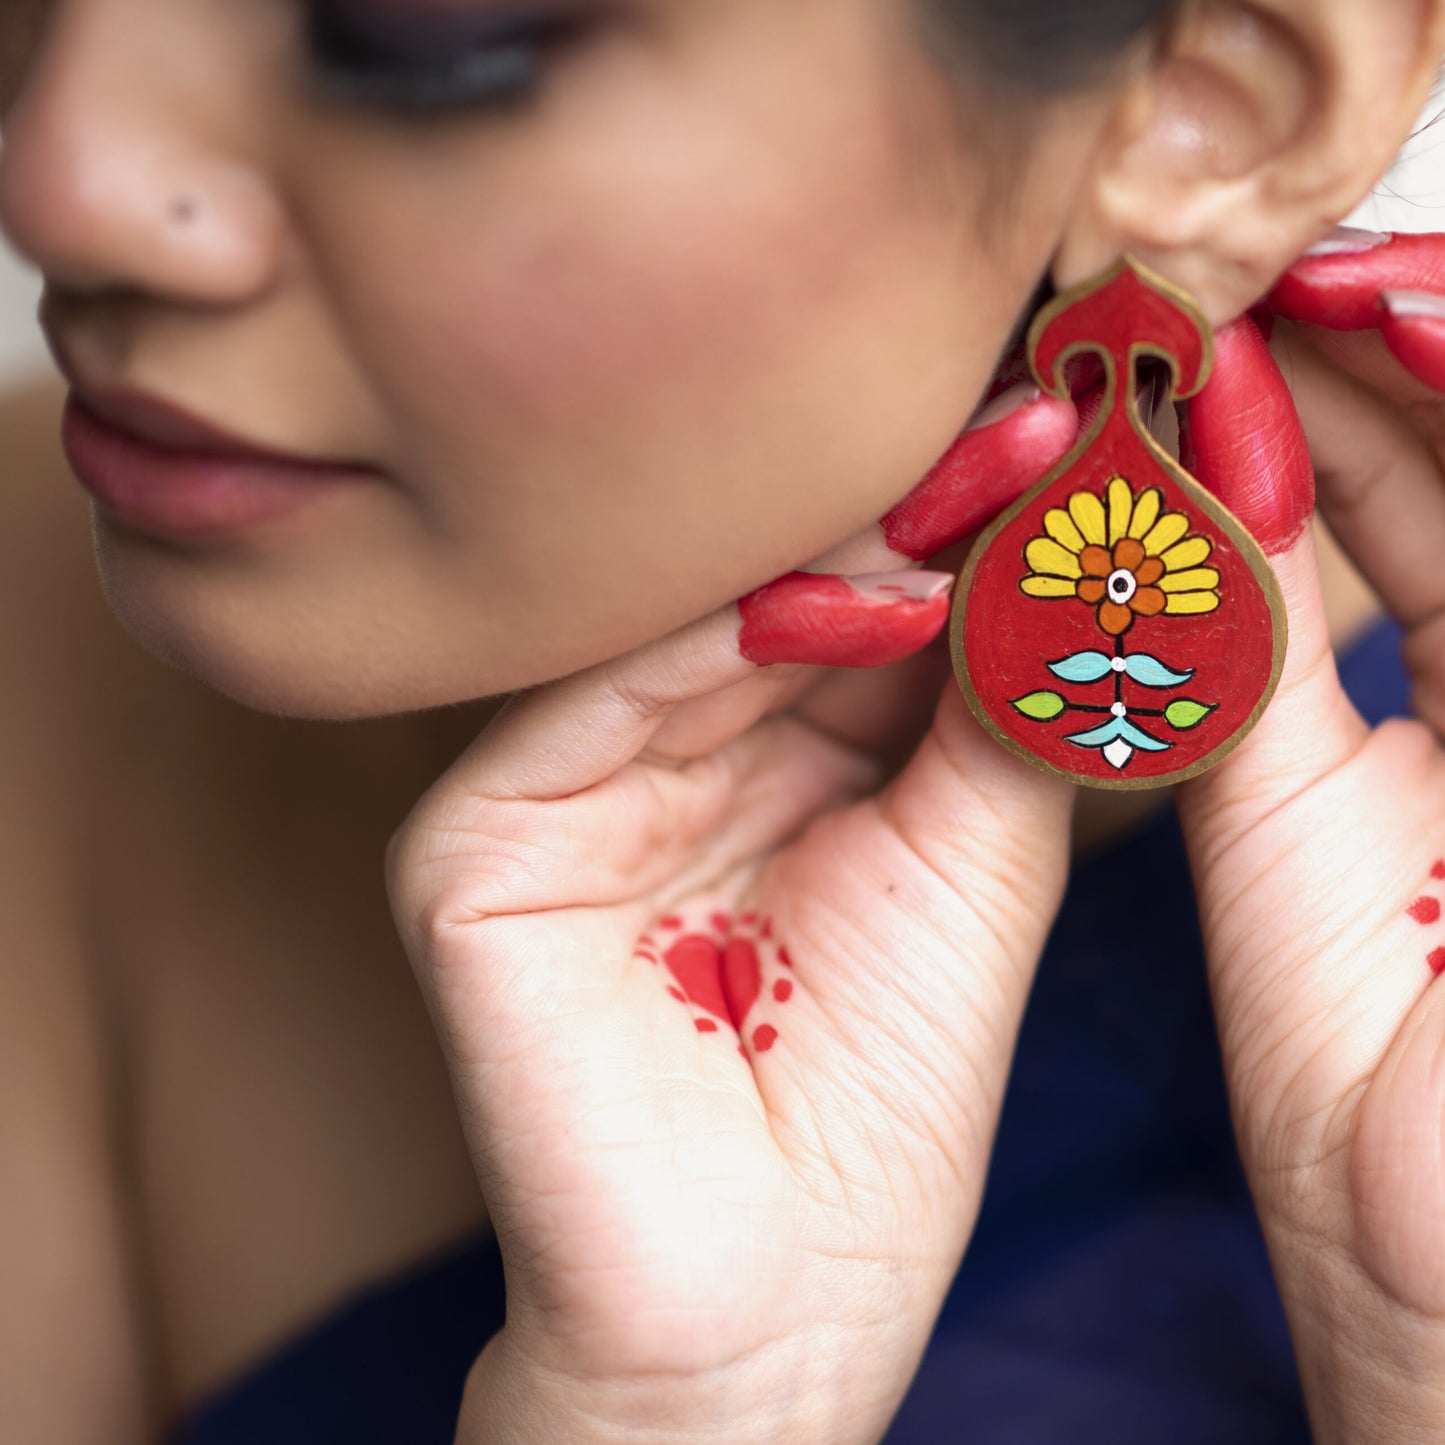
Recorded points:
(721, 923)
(764, 1037)
(785, 958)
(766, 931)
(671, 921)
(705, 1026)
(1437, 961)
(742, 1051)
(647, 941)
(1425, 910)
(1438, 871)
(748, 919)
(678, 994)
(783, 990)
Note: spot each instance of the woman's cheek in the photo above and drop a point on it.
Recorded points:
(695, 387)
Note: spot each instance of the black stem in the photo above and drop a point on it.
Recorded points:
(1133, 711)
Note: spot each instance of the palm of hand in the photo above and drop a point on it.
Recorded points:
(1321, 941)
(729, 1013)
(713, 1193)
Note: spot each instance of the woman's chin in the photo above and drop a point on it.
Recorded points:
(310, 670)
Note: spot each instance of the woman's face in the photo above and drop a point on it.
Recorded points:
(706, 294)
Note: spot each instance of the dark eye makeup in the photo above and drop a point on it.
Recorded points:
(429, 56)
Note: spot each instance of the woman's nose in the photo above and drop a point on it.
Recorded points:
(114, 175)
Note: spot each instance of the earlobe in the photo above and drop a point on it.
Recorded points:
(1262, 124)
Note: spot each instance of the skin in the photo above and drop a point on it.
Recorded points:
(693, 320)
(835, 235)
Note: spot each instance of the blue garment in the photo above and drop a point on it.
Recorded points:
(1116, 1291)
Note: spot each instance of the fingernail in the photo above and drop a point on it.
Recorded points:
(1404, 305)
(1015, 399)
(832, 621)
(1350, 241)
(901, 586)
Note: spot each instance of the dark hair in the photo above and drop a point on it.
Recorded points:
(1047, 45)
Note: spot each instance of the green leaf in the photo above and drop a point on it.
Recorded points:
(1041, 706)
(1184, 713)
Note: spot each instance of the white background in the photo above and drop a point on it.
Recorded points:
(1413, 199)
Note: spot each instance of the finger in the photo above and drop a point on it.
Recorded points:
(572, 734)
(1365, 281)
(1365, 356)
(1241, 437)
(856, 623)
(1413, 325)
(1248, 815)
(809, 618)
(1337, 284)
(1014, 443)
(829, 621)
(963, 857)
(1380, 485)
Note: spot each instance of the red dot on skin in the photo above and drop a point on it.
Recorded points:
(1437, 961)
(1438, 871)
(764, 1037)
(785, 958)
(671, 921)
(783, 990)
(678, 994)
(748, 919)
(721, 923)
(766, 931)
(705, 1026)
(1425, 910)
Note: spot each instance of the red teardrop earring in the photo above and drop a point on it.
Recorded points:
(1117, 626)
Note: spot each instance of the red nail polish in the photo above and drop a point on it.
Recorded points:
(1414, 330)
(1340, 288)
(843, 622)
(987, 469)
(1241, 436)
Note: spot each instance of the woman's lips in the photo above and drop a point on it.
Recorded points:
(159, 471)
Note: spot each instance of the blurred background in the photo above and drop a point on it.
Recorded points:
(1413, 199)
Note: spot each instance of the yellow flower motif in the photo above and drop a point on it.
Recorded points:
(1125, 556)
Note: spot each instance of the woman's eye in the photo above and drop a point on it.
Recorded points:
(432, 55)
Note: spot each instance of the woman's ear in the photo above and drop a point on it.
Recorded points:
(1261, 125)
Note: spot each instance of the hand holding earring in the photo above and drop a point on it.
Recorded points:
(729, 997)
(1319, 848)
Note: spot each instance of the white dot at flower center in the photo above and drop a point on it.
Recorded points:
(1122, 586)
(1119, 665)
(1119, 710)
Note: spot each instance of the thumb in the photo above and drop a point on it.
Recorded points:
(1242, 438)
(1304, 843)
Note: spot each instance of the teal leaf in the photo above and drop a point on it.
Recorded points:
(1123, 729)
(1150, 672)
(1041, 706)
(1083, 667)
(1184, 713)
